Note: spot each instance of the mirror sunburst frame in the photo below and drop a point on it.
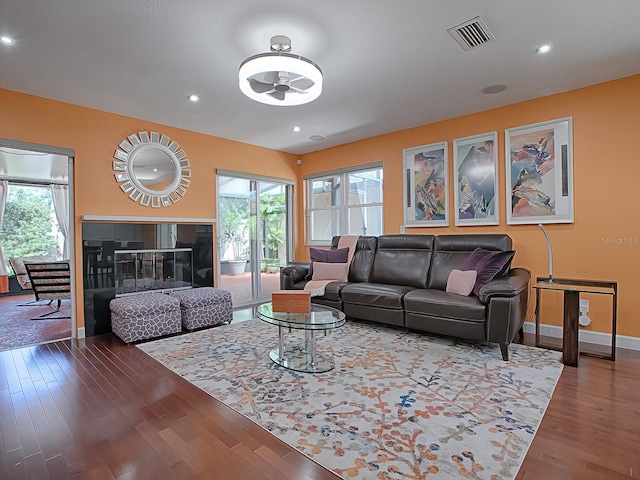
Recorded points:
(144, 152)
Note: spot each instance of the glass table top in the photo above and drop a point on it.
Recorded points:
(319, 318)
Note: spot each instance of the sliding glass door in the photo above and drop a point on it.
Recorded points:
(253, 235)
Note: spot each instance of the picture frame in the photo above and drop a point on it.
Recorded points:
(426, 180)
(475, 168)
(539, 172)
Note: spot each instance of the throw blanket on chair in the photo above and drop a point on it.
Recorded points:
(316, 287)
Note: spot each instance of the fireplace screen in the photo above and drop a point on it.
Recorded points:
(139, 271)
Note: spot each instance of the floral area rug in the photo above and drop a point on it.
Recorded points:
(398, 405)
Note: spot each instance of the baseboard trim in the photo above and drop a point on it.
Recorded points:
(597, 338)
(81, 333)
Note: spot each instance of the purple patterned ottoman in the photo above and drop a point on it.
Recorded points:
(138, 317)
(204, 307)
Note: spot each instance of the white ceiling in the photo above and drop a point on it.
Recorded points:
(388, 65)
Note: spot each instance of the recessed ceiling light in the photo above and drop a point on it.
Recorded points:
(495, 88)
(296, 129)
(7, 40)
(316, 138)
(543, 48)
(193, 98)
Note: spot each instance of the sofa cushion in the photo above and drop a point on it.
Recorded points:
(332, 291)
(362, 259)
(339, 255)
(402, 260)
(451, 251)
(488, 265)
(437, 303)
(378, 294)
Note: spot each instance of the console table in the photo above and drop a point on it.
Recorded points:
(572, 289)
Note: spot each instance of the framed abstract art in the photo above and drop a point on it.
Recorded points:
(475, 168)
(425, 185)
(539, 173)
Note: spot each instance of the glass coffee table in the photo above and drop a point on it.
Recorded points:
(302, 358)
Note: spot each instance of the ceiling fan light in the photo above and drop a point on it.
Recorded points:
(295, 65)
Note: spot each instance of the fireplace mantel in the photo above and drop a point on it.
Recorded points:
(117, 218)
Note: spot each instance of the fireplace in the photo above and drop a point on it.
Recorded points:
(128, 257)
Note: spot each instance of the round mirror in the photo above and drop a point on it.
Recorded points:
(154, 169)
(151, 169)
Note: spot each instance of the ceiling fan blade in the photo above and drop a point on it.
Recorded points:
(297, 90)
(277, 95)
(272, 77)
(302, 83)
(260, 87)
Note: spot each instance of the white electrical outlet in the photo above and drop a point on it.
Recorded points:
(583, 320)
(584, 306)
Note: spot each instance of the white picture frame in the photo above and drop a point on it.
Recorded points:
(539, 173)
(426, 180)
(475, 171)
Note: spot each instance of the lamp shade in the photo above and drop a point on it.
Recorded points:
(279, 78)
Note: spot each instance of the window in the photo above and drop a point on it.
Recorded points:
(30, 227)
(333, 209)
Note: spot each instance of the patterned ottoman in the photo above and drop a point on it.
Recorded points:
(204, 307)
(138, 317)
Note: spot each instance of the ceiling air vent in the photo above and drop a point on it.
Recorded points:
(472, 34)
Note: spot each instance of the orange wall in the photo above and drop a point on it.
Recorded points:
(604, 130)
(95, 135)
(605, 160)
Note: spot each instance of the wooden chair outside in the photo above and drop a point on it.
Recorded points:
(50, 281)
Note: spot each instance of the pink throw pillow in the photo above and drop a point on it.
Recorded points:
(461, 282)
(331, 271)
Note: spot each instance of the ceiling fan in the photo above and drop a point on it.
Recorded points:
(278, 84)
(279, 77)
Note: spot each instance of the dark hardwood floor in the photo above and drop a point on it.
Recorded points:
(97, 409)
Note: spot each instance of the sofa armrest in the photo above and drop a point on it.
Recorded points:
(511, 285)
(292, 274)
(507, 299)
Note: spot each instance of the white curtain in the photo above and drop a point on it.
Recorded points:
(60, 194)
(4, 188)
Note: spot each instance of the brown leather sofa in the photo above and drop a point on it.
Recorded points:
(401, 280)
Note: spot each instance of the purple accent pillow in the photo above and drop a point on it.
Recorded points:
(461, 282)
(339, 255)
(488, 264)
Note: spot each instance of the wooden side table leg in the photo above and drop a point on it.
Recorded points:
(614, 322)
(536, 315)
(570, 348)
